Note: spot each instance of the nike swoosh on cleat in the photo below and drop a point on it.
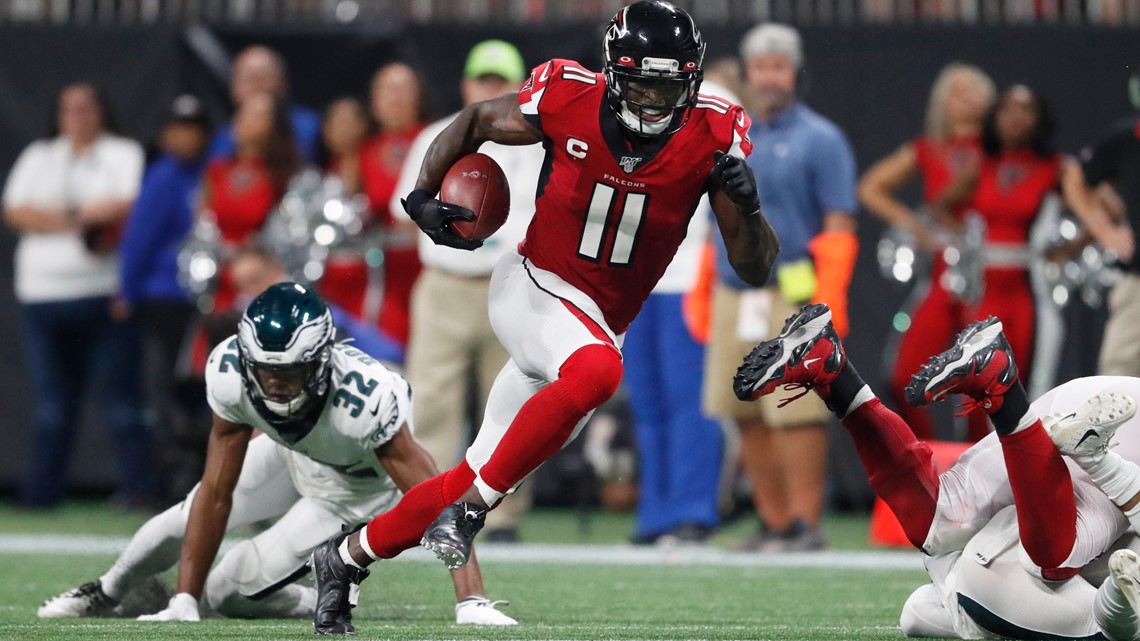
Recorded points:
(1087, 434)
(809, 361)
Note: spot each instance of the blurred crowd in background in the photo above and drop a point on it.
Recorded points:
(131, 264)
(708, 12)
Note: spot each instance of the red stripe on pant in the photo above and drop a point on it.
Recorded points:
(588, 378)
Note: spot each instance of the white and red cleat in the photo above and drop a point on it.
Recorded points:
(980, 365)
(807, 354)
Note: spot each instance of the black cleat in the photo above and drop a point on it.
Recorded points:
(338, 586)
(807, 354)
(450, 536)
(979, 365)
(87, 600)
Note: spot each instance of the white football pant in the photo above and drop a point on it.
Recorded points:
(980, 570)
(539, 333)
(254, 578)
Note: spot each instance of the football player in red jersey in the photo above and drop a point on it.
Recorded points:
(1018, 532)
(630, 152)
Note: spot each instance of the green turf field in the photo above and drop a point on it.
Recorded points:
(581, 600)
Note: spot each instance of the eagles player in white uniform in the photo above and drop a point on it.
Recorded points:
(1021, 542)
(335, 447)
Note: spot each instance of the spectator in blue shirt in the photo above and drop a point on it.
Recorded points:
(805, 173)
(149, 289)
(259, 69)
(163, 212)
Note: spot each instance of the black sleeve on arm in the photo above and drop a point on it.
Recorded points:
(535, 120)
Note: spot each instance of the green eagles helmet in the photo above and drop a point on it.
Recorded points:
(285, 341)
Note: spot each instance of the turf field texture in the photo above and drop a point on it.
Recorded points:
(566, 583)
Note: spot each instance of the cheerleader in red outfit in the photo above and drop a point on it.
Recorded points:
(1007, 186)
(345, 128)
(961, 96)
(399, 107)
(241, 190)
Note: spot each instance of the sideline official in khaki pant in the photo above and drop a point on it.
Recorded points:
(1120, 350)
(805, 175)
(783, 448)
(452, 346)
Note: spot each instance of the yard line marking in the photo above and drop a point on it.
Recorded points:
(550, 554)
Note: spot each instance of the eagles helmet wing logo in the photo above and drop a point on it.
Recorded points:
(630, 163)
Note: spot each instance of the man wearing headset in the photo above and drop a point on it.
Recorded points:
(805, 171)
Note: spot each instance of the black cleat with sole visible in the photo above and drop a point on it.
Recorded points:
(338, 586)
(979, 365)
(450, 536)
(807, 354)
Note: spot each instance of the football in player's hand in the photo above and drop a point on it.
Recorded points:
(477, 182)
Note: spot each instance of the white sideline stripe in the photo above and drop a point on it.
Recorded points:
(545, 554)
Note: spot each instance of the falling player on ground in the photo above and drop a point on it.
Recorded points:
(337, 449)
(630, 153)
(1012, 531)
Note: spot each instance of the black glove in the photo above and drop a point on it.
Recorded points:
(434, 217)
(734, 177)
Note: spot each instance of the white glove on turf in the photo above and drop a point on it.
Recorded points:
(477, 610)
(182, 607)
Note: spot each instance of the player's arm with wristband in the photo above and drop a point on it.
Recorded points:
(751, 242)
(499, 121)
(408, 464)
(206, 524)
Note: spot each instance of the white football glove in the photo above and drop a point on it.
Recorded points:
(182, 607)
(477, 610)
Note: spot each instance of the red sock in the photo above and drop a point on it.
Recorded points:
(586, 380)
(898, 466)
(1043, 495)
(402, 527)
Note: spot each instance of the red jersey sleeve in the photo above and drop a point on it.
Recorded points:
(727, 123)
(741, 144)
(553, 86)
